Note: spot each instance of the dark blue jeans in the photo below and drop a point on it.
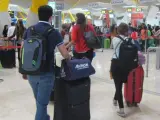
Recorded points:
(42, 86)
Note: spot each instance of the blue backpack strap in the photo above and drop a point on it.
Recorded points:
(32, 30)
(45, 33)
(48, 31)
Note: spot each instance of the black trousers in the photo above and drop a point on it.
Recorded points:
(119, 77)
(118, 94)
(19, 52)
(88, 54)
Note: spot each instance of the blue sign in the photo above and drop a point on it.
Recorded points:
(52, 4)
(60, 6)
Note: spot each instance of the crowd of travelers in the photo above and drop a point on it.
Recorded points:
(72, 35)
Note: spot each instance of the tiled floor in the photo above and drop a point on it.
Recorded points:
(17, 103)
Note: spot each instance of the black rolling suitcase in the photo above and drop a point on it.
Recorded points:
(8, 56)
(8, 59)
(72, 99)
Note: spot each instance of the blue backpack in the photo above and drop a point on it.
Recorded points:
(34, 53)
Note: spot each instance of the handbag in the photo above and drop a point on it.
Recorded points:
(92, 40)
(75, 69)
(141, 59)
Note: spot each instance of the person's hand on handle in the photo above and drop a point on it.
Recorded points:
(64, 52)
(24, 77)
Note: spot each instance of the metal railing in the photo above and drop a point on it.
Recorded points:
(148, 51)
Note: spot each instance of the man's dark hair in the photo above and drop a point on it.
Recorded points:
(45, 12)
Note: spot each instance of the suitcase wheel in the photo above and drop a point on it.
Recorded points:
(131, 105)
(135, 104)
(128, 104)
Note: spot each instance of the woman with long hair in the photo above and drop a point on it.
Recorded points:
(18, 33)
(5, 31)
(77, 36)
(20, 29)
(113, 31)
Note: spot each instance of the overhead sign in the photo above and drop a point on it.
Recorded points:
(103, 12)
(145, 1)
(110, 11)
(115, 2)
(87, 13)
(129, 10)
(134, 10)
(52, 4)
(56, 4)
(138, 10)
(93, 5)
(60, 6)
(137, 16)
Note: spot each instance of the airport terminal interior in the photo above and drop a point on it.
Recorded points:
(16, 96)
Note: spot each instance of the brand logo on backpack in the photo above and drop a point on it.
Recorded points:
(30, 41)
(33, 62)
(82, 66)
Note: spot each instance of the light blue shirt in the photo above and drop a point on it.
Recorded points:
(116, 45)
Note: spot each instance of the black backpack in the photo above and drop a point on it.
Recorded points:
(34, 53)
(128, 55)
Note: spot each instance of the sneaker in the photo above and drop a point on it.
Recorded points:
(121, 112)
(115, 102)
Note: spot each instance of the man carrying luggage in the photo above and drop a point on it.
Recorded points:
(42, 84)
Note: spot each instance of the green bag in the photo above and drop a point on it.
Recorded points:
(149, 33)
(151, 43)
(107, 43)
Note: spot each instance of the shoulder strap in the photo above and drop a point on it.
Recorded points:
(45, 33)
(32, 30)
(122, 40)
(48, 31)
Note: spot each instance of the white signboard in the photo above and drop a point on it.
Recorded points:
(56, 4)
(115, 2)
(52, 4)
(145, 1)
(94, 5)
(98, 22)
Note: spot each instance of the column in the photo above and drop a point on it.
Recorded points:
(4, 15)
(32, 15)
(58, 20)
